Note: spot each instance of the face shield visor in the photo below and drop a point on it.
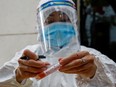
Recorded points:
(57, 25)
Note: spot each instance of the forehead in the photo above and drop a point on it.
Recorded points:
(57, 16)
(58, 13)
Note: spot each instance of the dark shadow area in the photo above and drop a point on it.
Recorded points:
(98, 25)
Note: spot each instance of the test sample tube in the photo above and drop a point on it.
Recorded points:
(48, 71)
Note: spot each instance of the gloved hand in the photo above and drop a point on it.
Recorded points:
(81, 63)
(29, 68)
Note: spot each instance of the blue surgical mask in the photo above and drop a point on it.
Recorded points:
(58, 34)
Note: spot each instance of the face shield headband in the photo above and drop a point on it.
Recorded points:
(56, 3)
(46, 9)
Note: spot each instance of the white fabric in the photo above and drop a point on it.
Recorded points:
(105, 75)
(45, 13)
(44, 1)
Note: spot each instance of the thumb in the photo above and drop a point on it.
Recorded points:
(30, 54)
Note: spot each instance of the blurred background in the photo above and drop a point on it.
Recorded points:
(96, 21)
(17, 26)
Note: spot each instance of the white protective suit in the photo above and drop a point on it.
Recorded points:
(105, 75)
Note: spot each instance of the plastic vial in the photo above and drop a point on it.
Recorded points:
(48, 71)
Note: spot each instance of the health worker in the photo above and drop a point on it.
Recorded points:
(58, 42)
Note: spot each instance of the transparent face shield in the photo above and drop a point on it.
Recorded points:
(57, 30)
(57, 16)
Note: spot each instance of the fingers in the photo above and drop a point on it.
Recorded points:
(78, 55)
(31, 69)
(30, 54)
(29, 66)
(24, 74)
(82, 64)
(76, 69)
(33, 63)
(73, 64)
(29, 74)
(32, 60)
(86, 70)
(89, 59)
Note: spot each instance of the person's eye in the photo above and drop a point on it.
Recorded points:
(63, 20)
(50, 21)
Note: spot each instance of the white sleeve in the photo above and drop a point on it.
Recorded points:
(7, 75)
(105, 75)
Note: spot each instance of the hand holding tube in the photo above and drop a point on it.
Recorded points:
(81, 63)
(29, 66)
